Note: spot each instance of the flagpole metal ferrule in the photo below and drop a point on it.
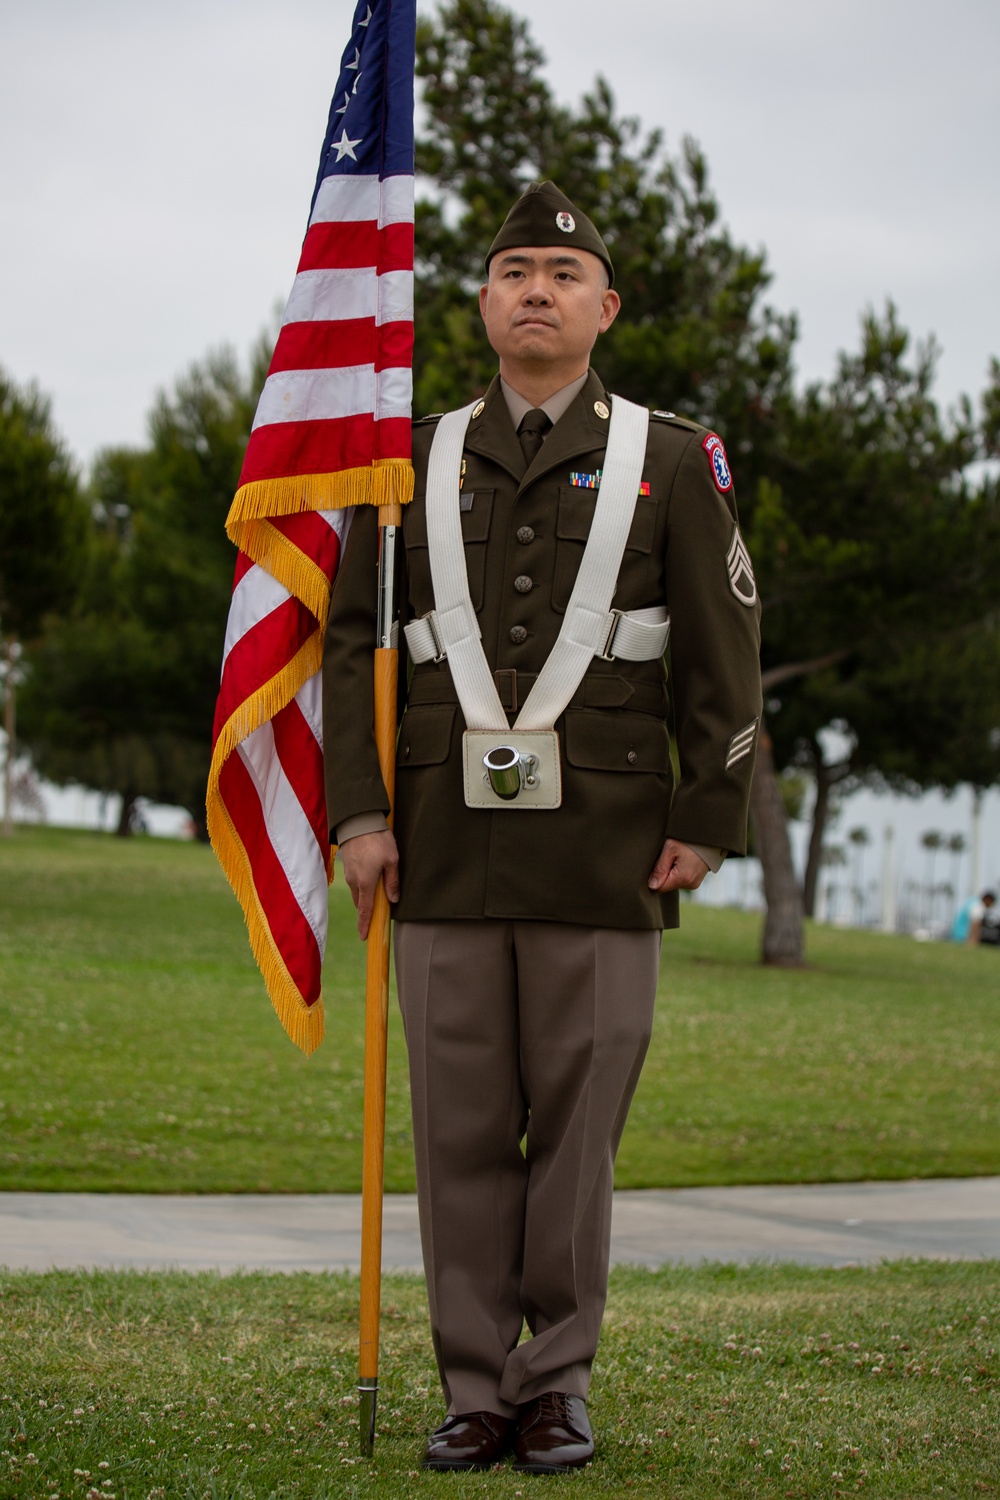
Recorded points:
(388, 624)
(368, 1391)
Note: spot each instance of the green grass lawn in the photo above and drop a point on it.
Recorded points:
(138, 1050)
(763, 1381)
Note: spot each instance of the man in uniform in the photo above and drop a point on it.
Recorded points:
(527, 940)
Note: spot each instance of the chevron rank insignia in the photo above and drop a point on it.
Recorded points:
(741, 744)
(740, 570)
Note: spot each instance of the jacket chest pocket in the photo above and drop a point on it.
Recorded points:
(475, 515)
(573, 521)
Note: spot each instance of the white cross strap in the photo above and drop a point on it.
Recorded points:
(590, 626)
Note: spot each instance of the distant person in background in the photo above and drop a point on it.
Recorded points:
(984, 924)
(963, 919)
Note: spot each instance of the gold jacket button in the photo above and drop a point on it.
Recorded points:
(525, 535)
(523, 584)
(517, 635)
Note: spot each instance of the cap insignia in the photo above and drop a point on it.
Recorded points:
(565, 222)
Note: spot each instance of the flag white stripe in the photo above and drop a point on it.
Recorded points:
(310, 700)
(346, 200)
(395, 392)
(289, 829)
(331, 296)
(395, 297)
(314, 395)
(254, 598)
(396, 201)
(352, 200)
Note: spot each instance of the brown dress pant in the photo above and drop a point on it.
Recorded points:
(530, 1032)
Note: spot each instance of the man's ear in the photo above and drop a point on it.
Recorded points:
(610, 307)
(484, 292)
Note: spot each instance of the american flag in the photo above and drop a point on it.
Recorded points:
(332, 430)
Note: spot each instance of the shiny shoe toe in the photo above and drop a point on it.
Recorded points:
(553, 1435)
(470, 1440)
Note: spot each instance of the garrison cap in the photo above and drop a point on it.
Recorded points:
(545, 216)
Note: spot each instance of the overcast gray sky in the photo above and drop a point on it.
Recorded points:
(158, 162)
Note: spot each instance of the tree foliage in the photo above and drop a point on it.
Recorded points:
(876, 558)
(121, 694)
(42, 518)
(692, 332)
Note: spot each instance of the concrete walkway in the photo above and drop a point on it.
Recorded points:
(830, 1224)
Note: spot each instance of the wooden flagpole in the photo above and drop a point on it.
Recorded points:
(377, 994)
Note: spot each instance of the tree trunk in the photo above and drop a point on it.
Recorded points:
(783, 937)
(124, 828)
(820, 812)
(9, 718)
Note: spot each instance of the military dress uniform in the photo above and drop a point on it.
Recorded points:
(527, 941)
(586, 863)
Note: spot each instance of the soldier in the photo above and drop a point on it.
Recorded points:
(529, 909)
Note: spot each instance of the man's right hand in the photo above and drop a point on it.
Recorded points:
(365, 858)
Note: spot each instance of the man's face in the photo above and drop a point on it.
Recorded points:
(544, 307)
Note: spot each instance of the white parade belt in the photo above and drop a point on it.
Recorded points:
(519, 767)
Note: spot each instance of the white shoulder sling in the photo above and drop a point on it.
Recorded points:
(519, 767)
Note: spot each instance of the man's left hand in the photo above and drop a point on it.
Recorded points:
(677, 869)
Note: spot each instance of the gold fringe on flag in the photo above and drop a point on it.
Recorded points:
(388, 481)
(304, 1023)
(287, 563)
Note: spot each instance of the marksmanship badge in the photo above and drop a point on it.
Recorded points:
(712, 445)
(740, 570)
(565, 222)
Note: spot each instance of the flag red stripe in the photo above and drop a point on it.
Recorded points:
(336, 345)
(337, 246)
(243, 566)
(291, 932)
(260, 655)
(312, 535)
(302, 762)
(288, 448)
(395, 346)
(325, 345)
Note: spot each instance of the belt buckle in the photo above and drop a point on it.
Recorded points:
(606, 653)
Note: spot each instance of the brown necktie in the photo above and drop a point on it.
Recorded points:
(531, 433)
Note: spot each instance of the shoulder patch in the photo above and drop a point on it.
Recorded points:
(674, 420)
(712, 445)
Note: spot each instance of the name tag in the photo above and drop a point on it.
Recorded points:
(465, 499)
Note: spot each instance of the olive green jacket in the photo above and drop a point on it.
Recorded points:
(589, 860)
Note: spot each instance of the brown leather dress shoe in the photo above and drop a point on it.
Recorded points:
(470, 1440)
(553, 1435)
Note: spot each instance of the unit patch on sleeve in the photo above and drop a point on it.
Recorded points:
(740, 570)
(741, 744)
(712, 445)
